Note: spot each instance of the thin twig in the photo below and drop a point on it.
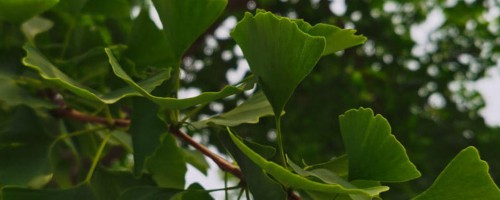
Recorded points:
(221, 162)
(79, 116)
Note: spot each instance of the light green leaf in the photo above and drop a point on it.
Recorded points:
(185, 20)
(330, 177)
(465, 177)
(249, 111)
(336, 38)
(167, 165)
(167, 102)
(373, 152)
(298, 182)
(18, 11)
(35, 60)
(35, 26)
(146, 129)
(196, 159)
(260, 184)
(338, 165)
(148, 193)
(278, 52)
(81, 192)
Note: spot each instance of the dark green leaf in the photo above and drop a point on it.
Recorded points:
(278, 52)
(110, 184)
(260, 184)
(249, 111)
(184, 21)
(148, 193)
(296, 181)
(194, 192)
(373, 152)
(81, 192)
(167, 165)
(18, 11)
(146, 129)
(112, 8)
(24, 149)
(465, 177)
(147, 45)
(35, 60)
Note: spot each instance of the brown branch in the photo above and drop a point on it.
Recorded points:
(221, 162)
(82, 117)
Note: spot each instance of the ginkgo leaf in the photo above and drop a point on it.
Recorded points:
(298, 182)
(249, 111)
(278, 52)
(465, 177)
(35, 60)
(168, 102)
(373, 152)
(184, 21)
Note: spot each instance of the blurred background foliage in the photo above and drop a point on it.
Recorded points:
(419, 85)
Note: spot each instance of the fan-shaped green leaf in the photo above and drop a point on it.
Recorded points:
(465, 177)
(249, 111)
(35, 60)
(185, 20)
(296, 181)
(336, 38)
(167, 102)
(278, 52)
(373, 152)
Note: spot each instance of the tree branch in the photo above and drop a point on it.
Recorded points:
(82, 117)
(223, 164)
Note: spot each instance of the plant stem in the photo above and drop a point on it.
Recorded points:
(280, 141)
(97, 158)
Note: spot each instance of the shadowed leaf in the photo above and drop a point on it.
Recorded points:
(35, 60)
(465, 177)
(373, 152)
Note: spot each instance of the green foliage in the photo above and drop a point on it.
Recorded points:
(18, 11)
(89, 108)
(465, 177)
(373, 152)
